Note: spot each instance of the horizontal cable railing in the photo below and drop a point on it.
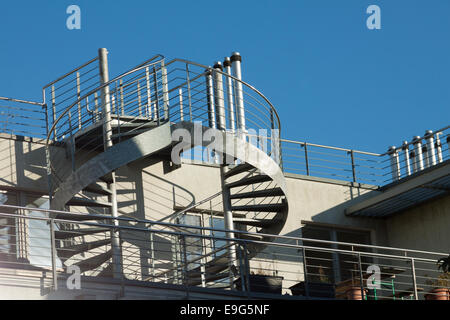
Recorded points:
(23, 118)
(295, 267)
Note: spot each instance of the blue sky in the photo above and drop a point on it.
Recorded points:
(332, 80)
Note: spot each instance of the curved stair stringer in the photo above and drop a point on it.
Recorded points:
(252, 156)
(138, 147)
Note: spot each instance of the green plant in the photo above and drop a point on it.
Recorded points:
(444, 264)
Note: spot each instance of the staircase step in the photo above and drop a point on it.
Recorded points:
(251, 237)
(80, 217)
(194, 281)
(128, 133)
(98, 189)
(131, 119)
(260, 223)
(107, 178)
(258, 194)
(70, 251)
(249, 180)
(67, 234)
(269, 207)
(238, 169)
(81, 202)
(94, 262)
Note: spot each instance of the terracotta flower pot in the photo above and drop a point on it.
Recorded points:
(438, 294)
(354, 293)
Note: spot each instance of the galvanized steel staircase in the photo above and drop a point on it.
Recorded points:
(257, 188)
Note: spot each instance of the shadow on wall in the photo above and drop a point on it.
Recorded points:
(22, 163)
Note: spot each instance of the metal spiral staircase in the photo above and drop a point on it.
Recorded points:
(137, 115)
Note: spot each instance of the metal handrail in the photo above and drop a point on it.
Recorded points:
(165, 224)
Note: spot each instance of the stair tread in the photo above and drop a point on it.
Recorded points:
(238, 169)
(256, 222)
(94, 261)
(66, 234)
(249, 181)
(269, 207)
(96, 188)
(70, 251)
(258, 193)
(80, 217)
(76, 201)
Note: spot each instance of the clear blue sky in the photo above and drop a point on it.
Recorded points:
(332, 80)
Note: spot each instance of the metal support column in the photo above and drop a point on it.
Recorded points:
(221, 125)
(431, 155)
(406, 155)
(107, 139)
(395, 163)
(418, 152)
(231, 121)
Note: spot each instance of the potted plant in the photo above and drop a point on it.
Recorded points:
(354, 292)
(320, 288)
(262, 282)
(442, 284)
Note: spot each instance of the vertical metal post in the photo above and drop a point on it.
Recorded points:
(155, 85)
(55, 136)
(305, 145)
(361, 281)
(406, 157)
(219, 100)
(122, 104)
(78, 97)
(107, 138)
(236, 61)
(352, 154)
(412, 155)
(165, 87)
(188, 82)
(418, 152)
(395, 163)
(96, 107)
(149, 96)
(53, 253)
(305, 272)
(413, 271)
(180, 95)
(138, 88)
(231, 121)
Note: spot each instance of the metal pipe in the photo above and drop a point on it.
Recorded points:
(53, 253)
(210, 100)
(107, 138)
(236, 61)
(438, 146)
(165, 87)
(180, 96)
(395, 163)
(231, 120)
(418, 152)
(413, 271)
(149, 96)
(219, 99)
(429, 137)
(406, 157)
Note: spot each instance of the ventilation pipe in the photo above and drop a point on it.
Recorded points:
(395, 163)
(210, 99)
(417, 141)
(406, 154)
(219, 99)
(438, 146)
(236, 60)
(227, 66)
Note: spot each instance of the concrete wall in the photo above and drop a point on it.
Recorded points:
(425, 227)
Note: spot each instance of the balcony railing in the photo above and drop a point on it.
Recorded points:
(299, 268)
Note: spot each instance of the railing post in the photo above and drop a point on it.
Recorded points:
(395, 163)
(55, 136)
(180, 96)
(306, 158)
(185, 266)
(188, 82)
(361, 281)
(305, 272)
(231, 121)
(149, 99)
(78, 97)
(405, 149)
(236, 60)
(418, 153)
(352, 154)
(413, 271)
(53, 253)
(165, 88)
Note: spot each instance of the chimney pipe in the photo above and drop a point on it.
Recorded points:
(417, 141)
(227, 65)
(236, 60)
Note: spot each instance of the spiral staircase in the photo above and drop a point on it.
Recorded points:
(86, 147)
